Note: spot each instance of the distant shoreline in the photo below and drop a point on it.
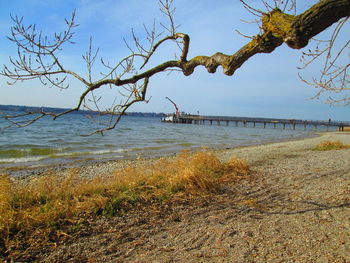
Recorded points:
(19, 108)
(144, 114)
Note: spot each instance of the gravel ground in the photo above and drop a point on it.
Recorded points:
(295, 207)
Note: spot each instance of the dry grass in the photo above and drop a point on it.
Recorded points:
(331, 145)
(49, 201)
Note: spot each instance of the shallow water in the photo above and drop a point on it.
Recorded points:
(59, 141)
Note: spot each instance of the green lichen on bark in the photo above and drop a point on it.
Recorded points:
(278, 23)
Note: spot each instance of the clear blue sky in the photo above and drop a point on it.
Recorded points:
(266, 86)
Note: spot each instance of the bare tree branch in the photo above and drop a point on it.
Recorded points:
(334, 76)
(37, 56)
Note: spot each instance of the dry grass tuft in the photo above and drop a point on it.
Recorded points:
(49, 201)
(331, 145)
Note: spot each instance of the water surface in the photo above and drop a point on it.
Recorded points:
(62, 140)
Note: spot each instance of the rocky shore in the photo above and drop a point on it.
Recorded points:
(295, 207)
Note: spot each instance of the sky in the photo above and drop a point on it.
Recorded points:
(265, 86)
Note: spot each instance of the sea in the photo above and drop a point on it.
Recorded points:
(70, 139)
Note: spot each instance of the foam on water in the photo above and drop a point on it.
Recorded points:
(21, 159)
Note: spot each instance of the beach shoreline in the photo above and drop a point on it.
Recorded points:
(294, 207)
(252, 153)
(24, 171)
(98, 167)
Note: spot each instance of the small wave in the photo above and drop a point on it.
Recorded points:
(22, 159)
(85, 153)
(108, 151)
(60, 155)
(55, 140)
(15, 153)
(186, 144)
(165, 141)
(124, 129)
(149, 148)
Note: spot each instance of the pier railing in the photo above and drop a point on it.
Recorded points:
(255, 122)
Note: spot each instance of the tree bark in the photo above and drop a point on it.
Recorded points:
(317, 19)
(279, 28)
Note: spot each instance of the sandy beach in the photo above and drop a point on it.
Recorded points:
(294, 207)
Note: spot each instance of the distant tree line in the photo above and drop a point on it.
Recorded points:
(19, 108)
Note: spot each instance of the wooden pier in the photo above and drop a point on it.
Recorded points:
(254, 122)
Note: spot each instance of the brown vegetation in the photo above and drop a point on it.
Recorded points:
(331, 145)
(45, 205)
